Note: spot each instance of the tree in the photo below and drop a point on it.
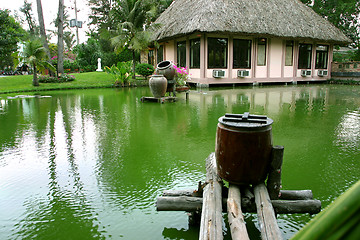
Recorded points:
(10, 34)
(69, 39)
(100, 15)
(34, 54)
(43, 31)
(60, 64)
(27, 10)
(344, 14)
(132, 16)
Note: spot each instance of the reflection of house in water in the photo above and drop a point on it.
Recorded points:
(270, 100)
(237, 41)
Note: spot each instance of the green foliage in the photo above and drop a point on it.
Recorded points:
(34, 54)
(121, 73)
(127, 55)
(62, 78)
(26, 9)
(340, 220)
(344, 14)
(144, 69)
(10, 34)
(88, 53)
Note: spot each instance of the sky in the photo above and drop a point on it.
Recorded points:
(50, 9)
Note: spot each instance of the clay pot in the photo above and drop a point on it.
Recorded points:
(167, 69)
(158, 85)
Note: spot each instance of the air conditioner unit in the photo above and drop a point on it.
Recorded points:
(322, 73)
(218, 73)
(305, 73)
(243, 73)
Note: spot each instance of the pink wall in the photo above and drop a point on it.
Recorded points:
(274, 70)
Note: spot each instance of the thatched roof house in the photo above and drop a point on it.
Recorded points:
(272, 22)
(270, 18)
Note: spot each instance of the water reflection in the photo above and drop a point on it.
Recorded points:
(91, 163)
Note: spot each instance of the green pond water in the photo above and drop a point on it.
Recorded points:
(89, 164)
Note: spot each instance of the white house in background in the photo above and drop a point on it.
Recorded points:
(242, 41)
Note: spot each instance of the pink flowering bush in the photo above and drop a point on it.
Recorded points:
(182, 75)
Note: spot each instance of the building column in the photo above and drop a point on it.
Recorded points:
(231, 56)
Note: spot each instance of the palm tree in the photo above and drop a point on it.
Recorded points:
(43, 31)
(60, 64)
(34, 54)
(131, 33)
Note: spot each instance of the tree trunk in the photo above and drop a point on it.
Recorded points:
(60, 65)
(133, 57)
(35, 79)
(43, 32)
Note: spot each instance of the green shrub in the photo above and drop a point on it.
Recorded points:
(61, 79)
(145, 69)
(121, 73)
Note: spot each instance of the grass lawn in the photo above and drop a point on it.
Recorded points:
(23, 83)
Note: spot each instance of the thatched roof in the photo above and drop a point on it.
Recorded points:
(272, 18)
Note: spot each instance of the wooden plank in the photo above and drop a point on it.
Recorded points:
(235, 215)
(296, 206)
(211, 214)
(269, 228)
(284, 194)
(274, 177)
(159, 100)
(192, 204)
(181, 203)
(296, 195)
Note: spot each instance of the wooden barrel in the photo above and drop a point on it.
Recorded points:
(243, 148)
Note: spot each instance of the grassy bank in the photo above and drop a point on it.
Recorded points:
(23, 83)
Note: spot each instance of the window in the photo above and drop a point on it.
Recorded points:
(195, 53)
(181, 54)
(355, 65)
(261, 54)
(321, 56)
(217, 52)
(151, 57)
(242, 53)
(160, 54)
(289, 49)
(305, 52)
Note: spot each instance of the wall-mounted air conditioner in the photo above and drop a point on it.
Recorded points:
(218, 73)
(243, 73)
(305, 73)
(322, 73)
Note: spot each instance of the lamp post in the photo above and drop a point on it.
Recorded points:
(76, 23)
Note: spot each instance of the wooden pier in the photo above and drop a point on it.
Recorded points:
(159, 100)
(211, 199)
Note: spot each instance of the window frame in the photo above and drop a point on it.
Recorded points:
(160, 53)
(196, 48)
(320, 54)
(289, 44)
(181, 53)
(216, 51)
(261, 42)
(238, 50)
(151, 57)
(307, 52)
